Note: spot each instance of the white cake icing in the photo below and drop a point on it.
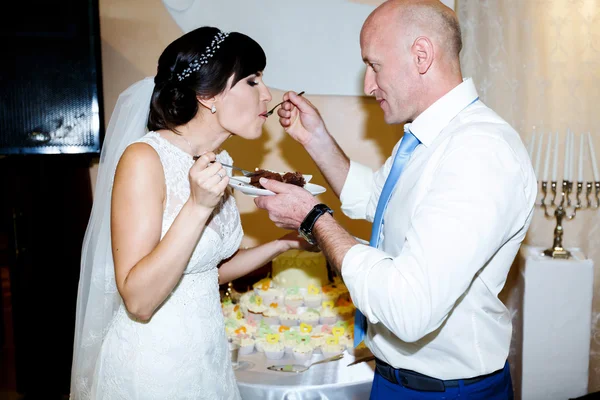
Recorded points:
(300, 268)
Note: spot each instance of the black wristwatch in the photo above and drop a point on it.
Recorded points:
(308, 224)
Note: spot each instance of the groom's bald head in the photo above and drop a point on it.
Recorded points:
(407, 20)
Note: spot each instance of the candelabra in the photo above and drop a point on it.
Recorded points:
(564, 208)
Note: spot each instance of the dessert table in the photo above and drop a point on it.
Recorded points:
(328, 381)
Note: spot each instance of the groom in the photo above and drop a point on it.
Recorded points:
(450, 209)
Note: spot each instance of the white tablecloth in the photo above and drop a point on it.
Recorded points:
(329, 381)
(552, 307)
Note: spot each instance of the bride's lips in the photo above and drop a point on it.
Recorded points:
(264, 114)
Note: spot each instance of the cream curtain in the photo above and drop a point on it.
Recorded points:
(537, 64)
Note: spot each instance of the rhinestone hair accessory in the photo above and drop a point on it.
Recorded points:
(204, 57)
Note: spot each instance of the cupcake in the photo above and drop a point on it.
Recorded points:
(262, 285)
(330, 350)
(231, 324)
(273, 351)
(302, 352)
(328, 316)
(259, 344)
(255, 308)
(227, 307)
(313, 296)
(289, 344)
(293, 297)
(272, 295)
(246, 345)
(271, 314)
(289, 317)
(310, 317)
(317, 342)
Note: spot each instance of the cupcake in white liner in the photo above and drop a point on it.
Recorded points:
(255, 308)
(330, 350)
(310, 317)
(262, 286)
(272, 295)
(273, 351)
(313, 296)
(227, 307)
(289, 344)
(303, 352)
(293, 297)
(317, 342)
(246, 346)
(328, 316)
(271, 315)
(289, 318)
(259, 344)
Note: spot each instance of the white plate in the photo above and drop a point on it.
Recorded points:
(242, 183)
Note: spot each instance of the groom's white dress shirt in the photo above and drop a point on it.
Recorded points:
(451, 231)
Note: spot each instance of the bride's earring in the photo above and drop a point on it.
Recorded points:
(213, 109)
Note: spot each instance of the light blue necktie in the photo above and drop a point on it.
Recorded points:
(408, 144)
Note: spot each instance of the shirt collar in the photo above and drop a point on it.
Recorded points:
(427, 126)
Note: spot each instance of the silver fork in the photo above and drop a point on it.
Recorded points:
(244, 172)
(268, 113)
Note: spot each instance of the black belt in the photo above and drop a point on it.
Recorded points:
(416, 381)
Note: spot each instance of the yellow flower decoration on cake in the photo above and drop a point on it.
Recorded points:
(305, 328)
(239, 315)
(312, 289)
(240, 330)
(273, 338)
(333, 340)
(328, 304)
(258, 301)
(338, 331)
(284, 328)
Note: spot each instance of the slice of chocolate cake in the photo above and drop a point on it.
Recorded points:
(294, 178)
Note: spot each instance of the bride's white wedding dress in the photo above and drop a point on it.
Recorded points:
(182, 352)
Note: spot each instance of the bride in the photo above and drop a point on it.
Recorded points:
(165, 231)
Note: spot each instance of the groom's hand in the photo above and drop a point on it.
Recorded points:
(300, 118)
(289, 206)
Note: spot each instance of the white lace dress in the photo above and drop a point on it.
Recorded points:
(182, 352)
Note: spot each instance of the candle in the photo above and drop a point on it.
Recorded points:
(538, 156)
(566, 160)
(571, 155)
(593, 157)
(580, 165)
(555, 158)
(547, 160)
(531, 145)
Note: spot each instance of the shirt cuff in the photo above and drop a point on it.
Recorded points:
(357, 264)
(356, 192)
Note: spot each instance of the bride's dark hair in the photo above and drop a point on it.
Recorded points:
(174, 101)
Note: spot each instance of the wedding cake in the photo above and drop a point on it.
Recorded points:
(296, 311)
(300, 268)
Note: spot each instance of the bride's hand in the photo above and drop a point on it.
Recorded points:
(300, 118)
(207, 181)
(294, 241)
